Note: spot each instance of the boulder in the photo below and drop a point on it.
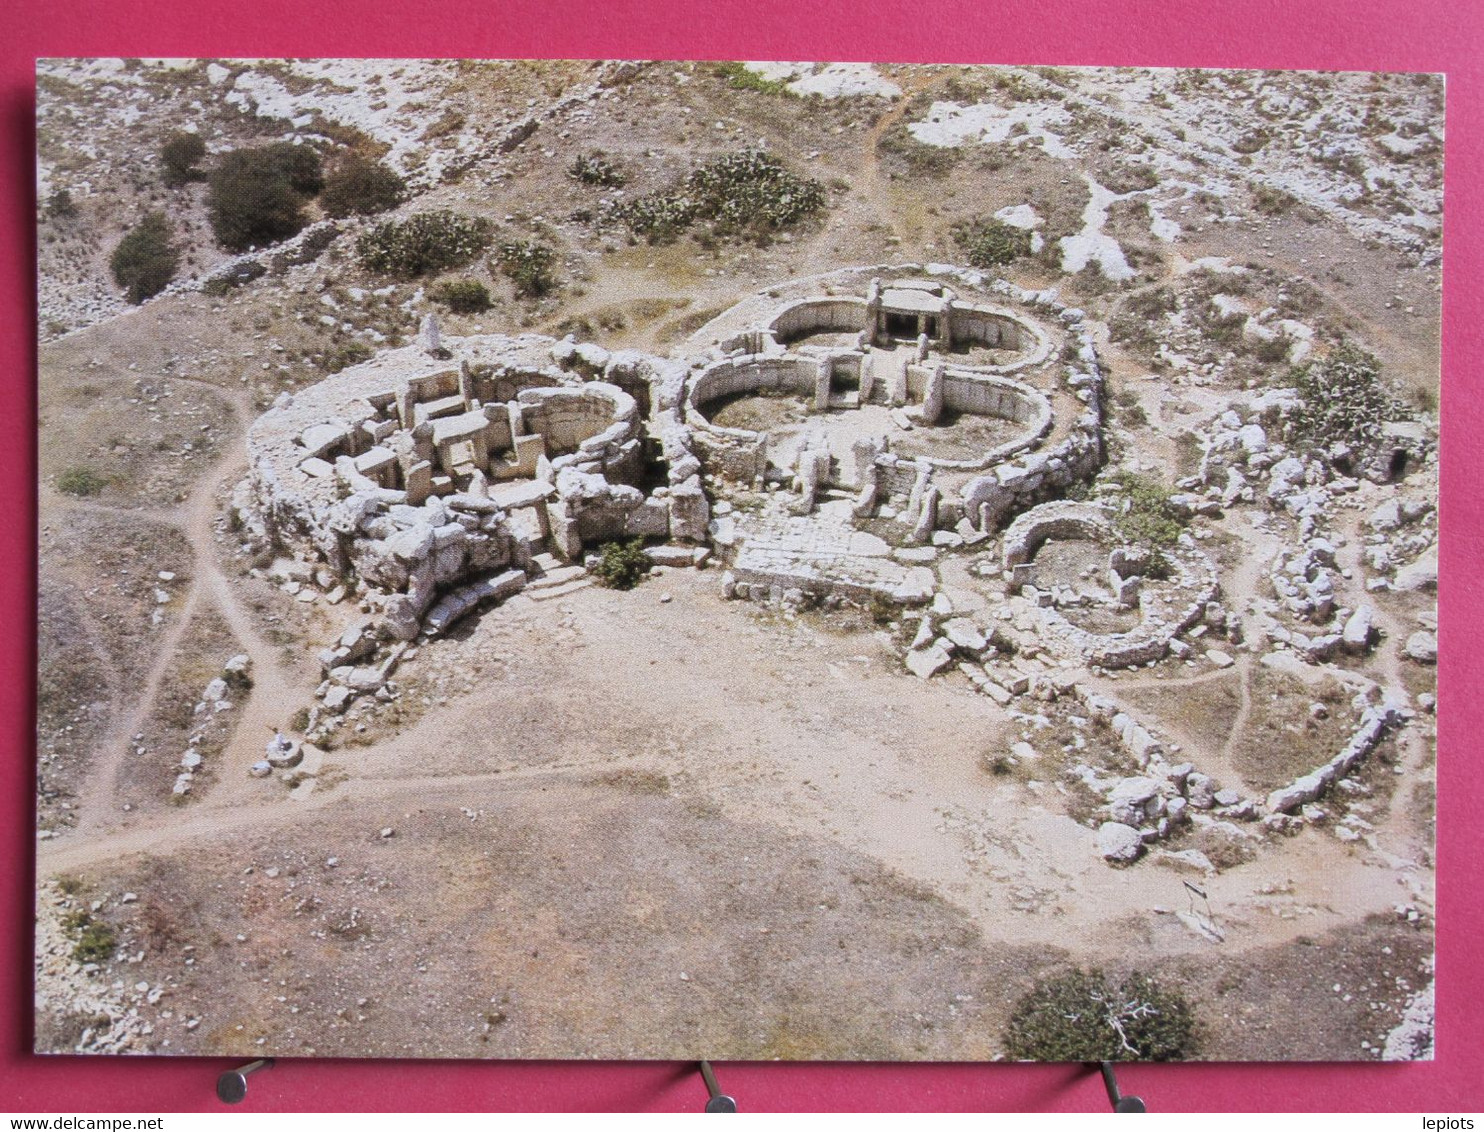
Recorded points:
(927, 662)
(1422, 647)
(1359, 630)
(1420, 575)
(1200, 790)
(1118, 842)
(964, 634)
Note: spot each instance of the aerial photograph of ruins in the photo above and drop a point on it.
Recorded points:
(736, 560)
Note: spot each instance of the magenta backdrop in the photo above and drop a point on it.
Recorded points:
(1415, 35)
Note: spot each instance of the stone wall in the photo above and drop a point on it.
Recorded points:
(798, 319)
(983, 327)
(1060, 520)
(568, 417)
(1375, 721)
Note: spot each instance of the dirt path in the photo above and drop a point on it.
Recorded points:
(273, 695)
(870, 183)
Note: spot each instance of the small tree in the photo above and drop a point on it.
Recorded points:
(251, 201)
(1086, 1016)
(357, 187)
(180, 158)
(145, 260)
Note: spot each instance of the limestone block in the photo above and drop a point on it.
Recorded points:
(1421, 575)
(1422, 647)
(1359, 629)
(689, 511)
(1118, 842)
(964, 634)
(917, 587)
(927, 662)
(1200, 791)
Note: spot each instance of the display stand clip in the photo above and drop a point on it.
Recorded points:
(231, 1086)
(718, 1101)
(1116, 1100)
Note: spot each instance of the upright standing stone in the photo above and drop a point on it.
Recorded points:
(428, 338)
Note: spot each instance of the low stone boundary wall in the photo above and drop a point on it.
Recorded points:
(1375, 721)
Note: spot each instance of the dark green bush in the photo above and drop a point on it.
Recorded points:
(60, 205)
(749, 192)
(299, 165)
(93, 940)
(424, 242)
(620, 565)
(180, 159)
(338, 358)
(251, 200)
(357, 187)
(988, 243)
(528, 265)
(463, 296)
(1087, 1016)
(595, 169)
(145, 260)
(81, 481)
(1148, 519)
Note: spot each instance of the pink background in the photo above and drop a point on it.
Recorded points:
(1425, 35)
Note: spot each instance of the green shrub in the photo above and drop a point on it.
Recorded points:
(145, 260)
(1148, 518)
(463, 296)
(93, 941)
(251, 200)
(1086, 1016)
(739, 77)
(752, 190)
(60, 205)
(424, 242)
(988, 243)
(81, 481)
(180, 159)
(620, 565)
(1342, 399)
(338, 358)
(357, 187)
(748, 192)
(920, 158)
(299, 165)
(596, 169)
(528, 265)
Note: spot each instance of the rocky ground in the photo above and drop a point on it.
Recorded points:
(661, 824)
